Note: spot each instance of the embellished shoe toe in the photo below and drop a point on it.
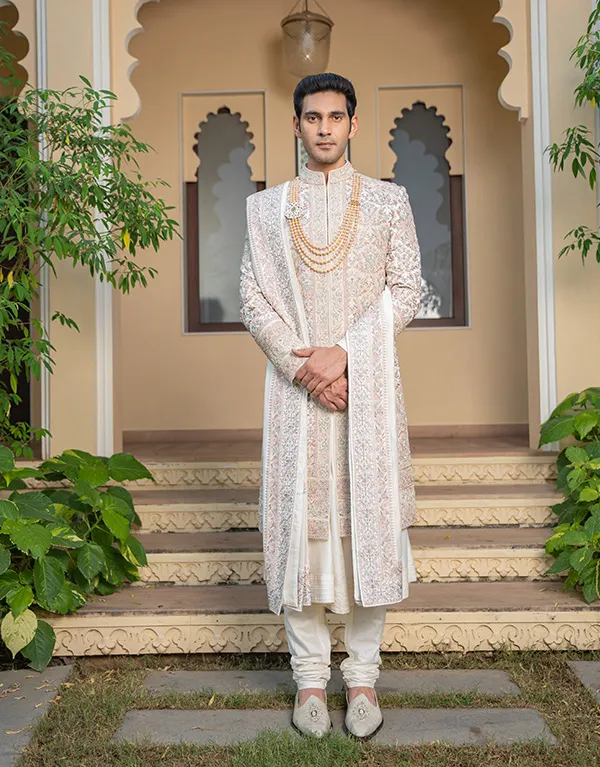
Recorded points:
(312, 717)
(363, 719)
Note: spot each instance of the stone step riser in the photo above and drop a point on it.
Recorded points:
(433, 566)
(180, 518)
(405, 631)
(441, 470)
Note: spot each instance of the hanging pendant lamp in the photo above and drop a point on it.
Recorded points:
(306, 39)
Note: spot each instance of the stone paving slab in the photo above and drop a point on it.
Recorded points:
(24, 698)
(588, 672)
(427, 681)
(402, 726)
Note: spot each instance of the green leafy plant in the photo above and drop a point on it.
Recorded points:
(81, 200)
(579, 150)
(576, 539)
(63, 543)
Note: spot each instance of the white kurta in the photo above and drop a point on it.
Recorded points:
(326, 557)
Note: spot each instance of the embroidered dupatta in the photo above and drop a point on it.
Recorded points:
(381, 486)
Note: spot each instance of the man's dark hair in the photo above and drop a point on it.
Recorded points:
(325, 81)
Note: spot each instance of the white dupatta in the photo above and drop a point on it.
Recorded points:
(382, 490)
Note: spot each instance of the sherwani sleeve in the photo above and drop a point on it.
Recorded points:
(266, 326)
(403, 263)
(402, 267)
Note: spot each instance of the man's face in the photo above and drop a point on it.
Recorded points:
(325, 127)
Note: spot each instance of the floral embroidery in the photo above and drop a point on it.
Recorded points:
(344, 301)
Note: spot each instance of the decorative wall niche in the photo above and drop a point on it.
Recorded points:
(224, 162)
(425, 154)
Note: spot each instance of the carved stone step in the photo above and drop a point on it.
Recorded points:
(213, 510)
(429, 470)
(441, 554)
(434, 617)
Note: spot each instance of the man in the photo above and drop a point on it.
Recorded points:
(330, 274)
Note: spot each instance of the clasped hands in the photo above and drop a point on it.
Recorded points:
(324, 375)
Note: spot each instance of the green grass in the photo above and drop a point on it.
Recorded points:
(78, 728)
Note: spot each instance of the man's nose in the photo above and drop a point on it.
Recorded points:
(325, 130)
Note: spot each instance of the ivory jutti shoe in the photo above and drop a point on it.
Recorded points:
(312, 717)
(363, 719)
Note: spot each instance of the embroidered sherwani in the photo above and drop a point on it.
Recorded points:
(333, 473)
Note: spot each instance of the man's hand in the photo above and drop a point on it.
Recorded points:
(324, 366)
(335, 396)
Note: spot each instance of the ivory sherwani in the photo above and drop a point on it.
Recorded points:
(355, 464)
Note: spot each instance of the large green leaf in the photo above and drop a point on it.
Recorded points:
(124, 467)
(20, 599)
(26, 472)
(57, 468)
(593, 449)
(115, 567)
(566, 404)
(591, 581)
(588, 494)
(576, 477)
(592, 394)
(585, 422)
(96, 474)
(117, 524)
(63, 535)
(34, 505)
(31, 539)
(561, 480)
(7, 459)
(63, 513)
(113, 502)
(576, 455)
(90, 559)
(18, 632)
(39, 650)
(88, 493)
(62, 557)
(580, 557)
(122, 493)
(79, 579)
(26, 576)
(9, 583)
(562, 563)
(102, 536)
(134, 552)
(592, 525)
(125, 495)
(78, 595)
(556, 429)
(63, 602)
(48, 578)
(4, 560)
(575, 538)
(8, 510)
(104, 587)
(565, 510)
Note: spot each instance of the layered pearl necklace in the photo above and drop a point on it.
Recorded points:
(323, 259)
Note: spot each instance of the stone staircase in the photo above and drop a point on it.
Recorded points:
(483, 519)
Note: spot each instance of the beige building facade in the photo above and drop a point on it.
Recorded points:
(499, 73)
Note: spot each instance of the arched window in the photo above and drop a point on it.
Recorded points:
(215, 221)
(420, 142)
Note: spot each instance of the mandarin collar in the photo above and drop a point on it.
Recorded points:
(334, 176)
